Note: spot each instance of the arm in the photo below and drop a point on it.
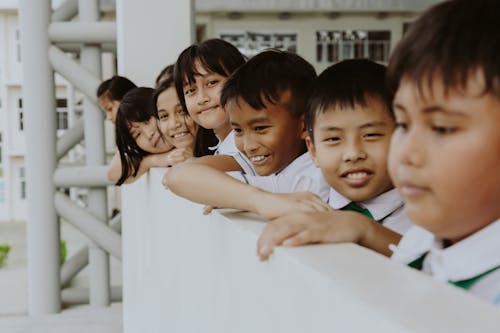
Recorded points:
(150, 161)
(220, 162)
(206, 185)
(326, 227)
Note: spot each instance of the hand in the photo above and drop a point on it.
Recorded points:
(318, 227)
(208, 209)
(274, 205)
(173, 157)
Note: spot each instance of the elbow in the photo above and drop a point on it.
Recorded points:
(112, 175)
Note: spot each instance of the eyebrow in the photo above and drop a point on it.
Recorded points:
(370, 124)
(433, 109)
(253, 121)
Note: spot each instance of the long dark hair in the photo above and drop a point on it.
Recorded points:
(205, 138)
(136, 106)
(115, 88)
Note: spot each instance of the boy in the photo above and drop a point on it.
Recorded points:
(350, 125)
(444, 154)
(266, 98)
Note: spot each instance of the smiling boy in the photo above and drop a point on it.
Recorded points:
(266, 100)
(350, 125)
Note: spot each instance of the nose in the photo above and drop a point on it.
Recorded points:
(174, 121)
(410, 147)
(151, 129)
(203, 97)
(249, 144)
(354, 151)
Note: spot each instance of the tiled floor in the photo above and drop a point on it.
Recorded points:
(14, 295)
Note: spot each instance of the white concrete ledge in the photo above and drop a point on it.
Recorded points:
(185, 272)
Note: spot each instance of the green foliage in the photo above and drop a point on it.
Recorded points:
(4, 253)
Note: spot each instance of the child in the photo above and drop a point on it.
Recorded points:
(350, 124)
(446, 150)
(111, 92)
(167, 72)
(266, 99)
(444, 154)
(200, 73)
(144, 139)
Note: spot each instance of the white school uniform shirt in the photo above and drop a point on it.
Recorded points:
(228, 147)
(300, 175)
(470, 257)
(387, 208)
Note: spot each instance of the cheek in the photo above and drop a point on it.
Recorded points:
(238, 141)
(393, 158)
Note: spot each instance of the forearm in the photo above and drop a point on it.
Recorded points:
(115, 168)
(220, 162)
(378, 238)
(206, 185)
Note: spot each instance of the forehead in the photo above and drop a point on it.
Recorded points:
(242, 113)
(167, 98)
(375, 111)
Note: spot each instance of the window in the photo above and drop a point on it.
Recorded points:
(62, 113)
(18, 46)
(22, 183)
(335, 45)
(251, 43)
(20, 114)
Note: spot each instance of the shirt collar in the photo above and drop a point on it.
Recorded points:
(225, 145)
(380, 206)
(299, 164)
(464, 260)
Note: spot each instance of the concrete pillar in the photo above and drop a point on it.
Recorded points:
(40, 129)
(150, 36)
(90, 56)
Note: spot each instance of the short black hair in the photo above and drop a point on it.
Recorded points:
(345, 85)
(115, 88)
(266, 76)
(452, 39)
(136, 106)
(215, 55)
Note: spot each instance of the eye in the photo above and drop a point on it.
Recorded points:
(401, 125)
(212, 83)
(443, 130)
(372, 136)
(237, 131)
(163, 115)
(331, 139)
(189, 91)
(261, 128)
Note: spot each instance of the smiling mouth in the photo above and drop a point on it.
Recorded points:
(412, 191)
(259, 159)
(180, 135)
(357, 178)
(208, 110)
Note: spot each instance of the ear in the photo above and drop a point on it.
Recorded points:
(303, 130)
(312, 150)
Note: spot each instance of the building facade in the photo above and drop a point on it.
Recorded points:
(323, 32)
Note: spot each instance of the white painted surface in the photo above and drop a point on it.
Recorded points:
(185, 272)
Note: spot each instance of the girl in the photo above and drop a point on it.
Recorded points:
(199, 74)
(148, 124)
(111, 92)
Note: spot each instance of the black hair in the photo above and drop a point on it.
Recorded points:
(204, 139)
(266, 76)
(115, 88)
(136, 106)
(345, 85)
(166, 73)
(453, 40)
(215, 55)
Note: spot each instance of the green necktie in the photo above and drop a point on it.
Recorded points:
(357, 208)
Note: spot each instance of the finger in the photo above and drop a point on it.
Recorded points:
(207, 210)
(273, 235)
(302, 238)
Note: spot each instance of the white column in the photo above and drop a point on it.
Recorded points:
(40, 129)
(150, 36)
(94, 142)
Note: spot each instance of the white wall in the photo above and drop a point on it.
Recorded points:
(185, 272)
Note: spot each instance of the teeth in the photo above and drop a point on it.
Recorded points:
(257, 158)
(178, 135)
(357, 175)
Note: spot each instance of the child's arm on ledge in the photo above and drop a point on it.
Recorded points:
(206, 185)
(169, 158)
(224, 163)
(326, 227)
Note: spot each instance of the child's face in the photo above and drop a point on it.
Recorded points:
(445, 156)
(271, 138)
(110, 107)
(177, 127)
(351, 147)
(203, 99)
(148, 137)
